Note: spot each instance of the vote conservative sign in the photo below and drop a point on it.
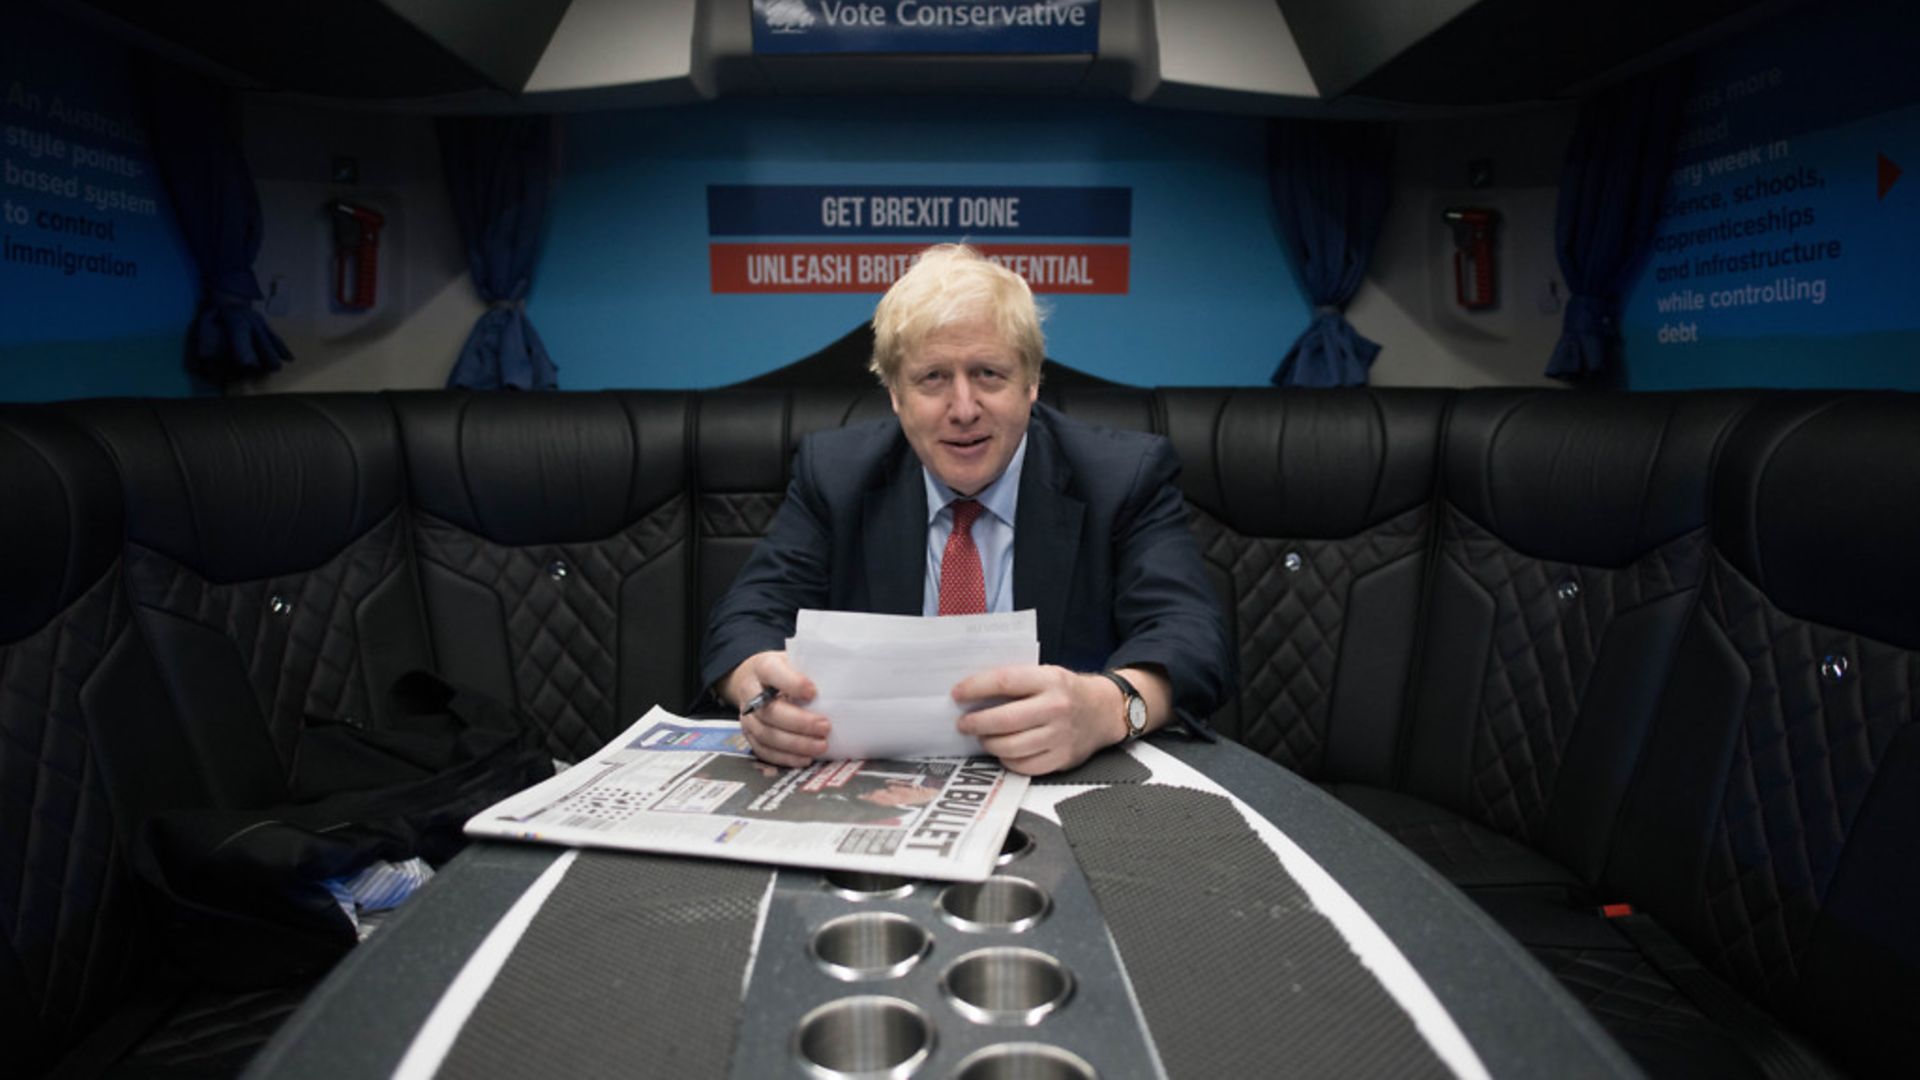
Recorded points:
(925, 26)
(813, 238)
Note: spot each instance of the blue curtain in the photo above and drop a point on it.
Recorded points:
(1329, 183)
(195, 129)
(1610, 188)
(500, 174)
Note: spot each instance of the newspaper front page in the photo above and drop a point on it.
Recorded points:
(693, 787)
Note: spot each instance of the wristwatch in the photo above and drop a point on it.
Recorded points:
(1135, 705)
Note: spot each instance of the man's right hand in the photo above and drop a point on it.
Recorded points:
(781, 731)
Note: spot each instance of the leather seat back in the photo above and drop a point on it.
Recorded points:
(554, 536)
(1122, 408)
(73, 679)
(747, 439)
(1312, 510)
(268, 563)
(1775, 824)
(1571, 539)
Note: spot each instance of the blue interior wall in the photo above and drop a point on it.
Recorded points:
(622, 295)
(623, 298)
(97, 284)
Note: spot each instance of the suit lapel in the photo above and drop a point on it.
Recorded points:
(1046, 536)
(895, 518)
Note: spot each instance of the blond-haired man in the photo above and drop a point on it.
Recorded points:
(1082, 524)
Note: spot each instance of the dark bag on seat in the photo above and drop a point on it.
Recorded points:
(244, 895)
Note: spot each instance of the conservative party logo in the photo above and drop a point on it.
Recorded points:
(783, 16)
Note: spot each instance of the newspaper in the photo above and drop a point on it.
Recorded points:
(693, 787)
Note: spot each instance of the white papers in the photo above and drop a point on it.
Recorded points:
(691, 787)
(886, 681)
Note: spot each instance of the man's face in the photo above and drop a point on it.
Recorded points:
(963, 399)
(901, 794)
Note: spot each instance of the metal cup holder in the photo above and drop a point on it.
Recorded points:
(998, 903)
(860, 885)
(1006, 984)
(1023, 1061)
(870, 945)
(869, 1037)
(1018, 842)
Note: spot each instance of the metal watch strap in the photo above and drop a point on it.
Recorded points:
(1128, 695)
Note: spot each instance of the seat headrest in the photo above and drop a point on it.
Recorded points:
(1122, 408)
(244, 488)
(62, 524)
(1304, 464)
(544, 468)
(1817, 502)
(1595, 479)
(748, 437)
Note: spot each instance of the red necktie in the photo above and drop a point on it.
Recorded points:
(963, 591)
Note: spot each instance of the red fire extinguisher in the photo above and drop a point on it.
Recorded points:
(1473, 275)
(356, 254)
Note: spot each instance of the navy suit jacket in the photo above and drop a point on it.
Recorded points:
(1101, 551)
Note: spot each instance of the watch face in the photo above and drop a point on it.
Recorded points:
(1136, 714)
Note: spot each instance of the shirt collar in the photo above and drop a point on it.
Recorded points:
(1000, 498)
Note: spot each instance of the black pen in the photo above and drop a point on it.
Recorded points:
(753, 703)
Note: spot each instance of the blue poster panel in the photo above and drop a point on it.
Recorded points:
(99, 285)
(1788, 218)
(797, 27)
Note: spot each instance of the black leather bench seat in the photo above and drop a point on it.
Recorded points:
(1572, 649)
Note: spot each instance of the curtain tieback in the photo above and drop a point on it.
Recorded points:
(507, 305)
(1321, 311)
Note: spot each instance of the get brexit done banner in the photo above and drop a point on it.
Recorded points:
(812, 238)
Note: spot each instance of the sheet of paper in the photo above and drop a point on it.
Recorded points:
(886, 681)
(845, 626)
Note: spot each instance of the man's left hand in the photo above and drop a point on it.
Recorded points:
(1047, 718)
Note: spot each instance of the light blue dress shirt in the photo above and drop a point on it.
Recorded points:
(992, 534)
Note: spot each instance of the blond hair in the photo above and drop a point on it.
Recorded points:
(948, 284)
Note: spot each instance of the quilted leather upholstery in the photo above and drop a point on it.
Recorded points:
(66, 901)
(1288, 600)
(1661, 732)
(1312, 511)
(1459, 849)
(747, 442)
(1620, 987)
(215, 1032)
(68, 940)
(739, 515)
(1464, 852)
(559, 604)
(1657, 1024)
(1773, 828)
(298, 635)
(1572, 540)
(554, 535)
(1550, 620)
(1806, 755)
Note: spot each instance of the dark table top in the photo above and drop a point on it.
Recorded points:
(1519, 1021)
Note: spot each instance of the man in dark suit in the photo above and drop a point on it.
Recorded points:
(977, 498)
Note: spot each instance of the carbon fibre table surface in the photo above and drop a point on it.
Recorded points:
(1517, 1019)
